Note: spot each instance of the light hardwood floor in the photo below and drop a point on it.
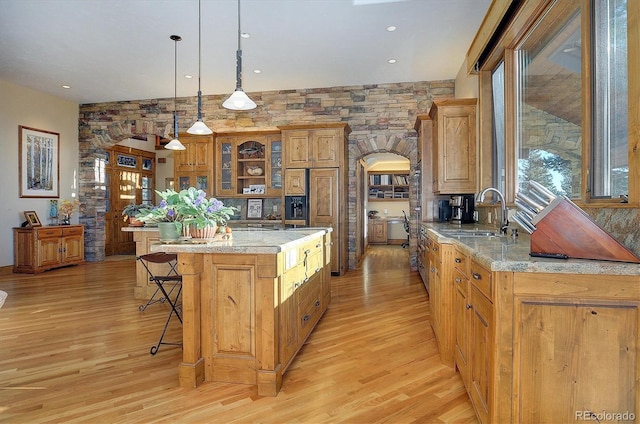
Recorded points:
(75, 349)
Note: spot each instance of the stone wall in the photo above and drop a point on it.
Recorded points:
(381, 117)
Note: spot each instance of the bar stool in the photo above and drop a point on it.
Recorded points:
(173, 279)
(172, 271)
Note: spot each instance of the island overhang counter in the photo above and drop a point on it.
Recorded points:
(249, 303)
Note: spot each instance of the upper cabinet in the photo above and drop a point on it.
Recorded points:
(249, 163)
(454, 146)
(193, 167)
(313, 148)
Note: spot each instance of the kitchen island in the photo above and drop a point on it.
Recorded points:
(534, 339)
(249, 303)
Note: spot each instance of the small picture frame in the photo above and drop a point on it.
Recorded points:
(254, 208)
(32, 219)
(256, 188)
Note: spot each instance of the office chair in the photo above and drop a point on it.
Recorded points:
(406, 228)
(161, 281)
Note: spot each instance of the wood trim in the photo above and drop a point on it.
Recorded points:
(633, 63)
(485, 122)
(495, 14)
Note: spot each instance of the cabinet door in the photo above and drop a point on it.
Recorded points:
(326, 148)
(324, 207)
(274, 166)
(295, 183)
(225, 169)
(72, 249)
(290, 281)
(481, 345)
(378, 232)
(462, 314)
(454, 149)
(197, 156)
(49, 252)
(297, 149)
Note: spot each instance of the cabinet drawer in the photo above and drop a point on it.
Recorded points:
(309, 313)
(481, 278)
(72, 231)
(308, 289)
(461, 262)
(49, 232)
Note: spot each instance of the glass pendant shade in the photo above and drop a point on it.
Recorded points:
(239, 101)
(175, 144)
(199, 128)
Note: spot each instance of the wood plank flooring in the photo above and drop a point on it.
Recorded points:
(75, 349)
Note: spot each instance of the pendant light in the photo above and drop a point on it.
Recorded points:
(199, 127)
(175, 143)
(239, 99)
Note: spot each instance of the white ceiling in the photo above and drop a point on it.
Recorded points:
(112, 50)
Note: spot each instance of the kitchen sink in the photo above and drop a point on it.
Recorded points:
(458, 232)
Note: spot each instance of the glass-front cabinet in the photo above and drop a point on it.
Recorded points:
(192, 166)
(249, 164)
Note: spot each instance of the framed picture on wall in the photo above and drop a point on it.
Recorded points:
(32, 219)
(38, 162)
(254, 208)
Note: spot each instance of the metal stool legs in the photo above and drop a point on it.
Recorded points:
(174, 310)
(161, 281)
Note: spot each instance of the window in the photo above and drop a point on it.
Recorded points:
(610, 163)
(549, 102)
(563, 106)
(497, 86)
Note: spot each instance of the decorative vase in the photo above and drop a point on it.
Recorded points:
(168, 231)
(66, 219)
(207, 232)
(254, 171)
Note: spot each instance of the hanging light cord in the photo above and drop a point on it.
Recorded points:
(175, 38)
(239, 55)
(199, 60)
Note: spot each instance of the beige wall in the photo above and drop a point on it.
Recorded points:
(466, 85)
(23, 106)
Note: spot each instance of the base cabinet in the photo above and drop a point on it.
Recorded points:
(39, 249)
(377, 232)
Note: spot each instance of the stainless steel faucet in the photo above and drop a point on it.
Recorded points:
(504, 222)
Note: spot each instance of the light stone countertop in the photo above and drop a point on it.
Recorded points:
(505, 253)
(249, 240)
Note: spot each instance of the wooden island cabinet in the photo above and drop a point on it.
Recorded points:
(537, 340)
(250, 303)
(38, 249)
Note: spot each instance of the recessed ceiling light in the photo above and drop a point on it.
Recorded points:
(391, 28)
(66, 87)
(257, 71)
(392, 61)
(188, 76)
(245, 35)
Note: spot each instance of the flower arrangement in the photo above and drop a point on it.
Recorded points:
(67, 207)
(189, 207)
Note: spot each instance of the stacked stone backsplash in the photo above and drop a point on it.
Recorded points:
(381, 118)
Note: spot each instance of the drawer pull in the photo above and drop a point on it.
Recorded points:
(305, 318)
(433, 270)
(306, 252)
(458, 260)
(435, 249)
(318, 245)
(458, 280)
(476, 276)
(318, 269)
(317, 303)
(467, 306)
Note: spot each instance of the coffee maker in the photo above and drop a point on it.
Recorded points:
(462, 207)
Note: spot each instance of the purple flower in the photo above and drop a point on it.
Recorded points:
(163, 203)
